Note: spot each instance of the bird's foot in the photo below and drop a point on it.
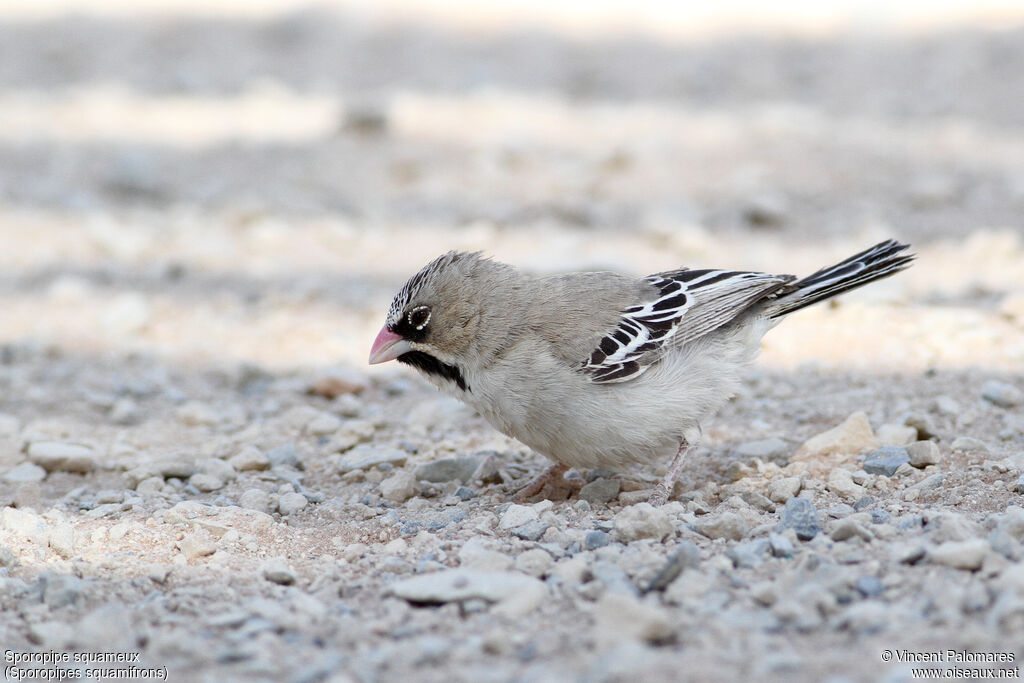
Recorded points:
(550, 480)
(660, 495)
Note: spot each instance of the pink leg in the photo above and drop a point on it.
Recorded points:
(551, 475)
(664, 488)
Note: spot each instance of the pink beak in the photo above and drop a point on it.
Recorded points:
(387, 346)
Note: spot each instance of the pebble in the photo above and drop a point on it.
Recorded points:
(967, 554)
(896, 434)
(886, 460)
(206, 482)
(782, 489)
(474, 554)
(535, 562)
(531, 531)
(25, 523)
(852, 436)
(249, 459)
(277, 570)
(150, 486)
(520, 593)
(924, 453)
(65, 457)
(324, 424)
(61, 538)
(517, 515)
(285, 456)
(197, 544)
(848, 528)
(773, 449)
(351, 433)
(7, 557)
(781, 545)
(595, 539)
(923, 424)
(801, 516)
(969, 444)
(459, 469)
(686, 556)
(125, 411)
(197, 413)
(748, 554)
(869, 586)
(840, 482)
(642, 520)
(256, 499)
(601, 491)
(366, 457)
(290, 503)
(729, 525)
(1002, 394)
(24, 473)
(60, 590)
(620, 616)
(1019, 487)
(399, 487)
(9, 425)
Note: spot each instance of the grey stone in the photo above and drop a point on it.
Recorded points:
(1019, 487)
(595, 539)
(757, 500)
(290, 503)
(8, 558)
(781, 546)
(600, 491)
(1002, 394)
(801, 516)
(869, 586)
(531, 531)
(722, 525)
(849, 528)
(65, 457)
(749, 554)
(686, 556)
(886, 460)
(366, 457)
(285, 455)
(459, 469)
(24, 473)
(60, 590)
(277, 570)
(924, 453)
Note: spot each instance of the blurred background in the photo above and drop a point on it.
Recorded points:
(250, 181)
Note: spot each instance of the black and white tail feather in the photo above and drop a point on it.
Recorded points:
(691, 303)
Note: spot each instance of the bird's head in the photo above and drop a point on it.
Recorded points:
(436, 318)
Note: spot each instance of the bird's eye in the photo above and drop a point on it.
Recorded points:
(419, 317)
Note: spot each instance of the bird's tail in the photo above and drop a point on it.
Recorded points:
(882, 260)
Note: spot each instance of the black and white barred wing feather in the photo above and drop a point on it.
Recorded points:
(687, 304)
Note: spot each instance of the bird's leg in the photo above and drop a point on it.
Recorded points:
(549, 476)
(664, 488)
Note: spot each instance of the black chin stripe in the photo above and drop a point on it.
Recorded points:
(432, 366)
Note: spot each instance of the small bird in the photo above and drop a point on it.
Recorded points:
(599, 369)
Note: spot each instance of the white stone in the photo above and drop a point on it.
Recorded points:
(366, 457)
(1002, 394)
(960, 554)
(619, 617)
(840, 482)
(892, 434)
(535, 562)
(324, 424)
(65, 457)
(399, 487)
(924, 453)
(642, 520)
(24, 523)
(197, 413)
(782, 489)
(197, 544)
(151, 486)
(277, 570)
(727, 524)
(61, 538)
(456, 585)
(517, 515)
(290, 503)
(248, 459)
(24, 473)
(205, 482)
(853, 436)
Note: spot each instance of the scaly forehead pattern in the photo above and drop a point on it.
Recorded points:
(416, 283)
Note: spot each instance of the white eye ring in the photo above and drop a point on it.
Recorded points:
(426, 320)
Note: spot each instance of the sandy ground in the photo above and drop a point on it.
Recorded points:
(204, 214)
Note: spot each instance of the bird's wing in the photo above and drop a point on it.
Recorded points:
(682, 306)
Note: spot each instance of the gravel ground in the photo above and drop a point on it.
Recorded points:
(204, 219)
